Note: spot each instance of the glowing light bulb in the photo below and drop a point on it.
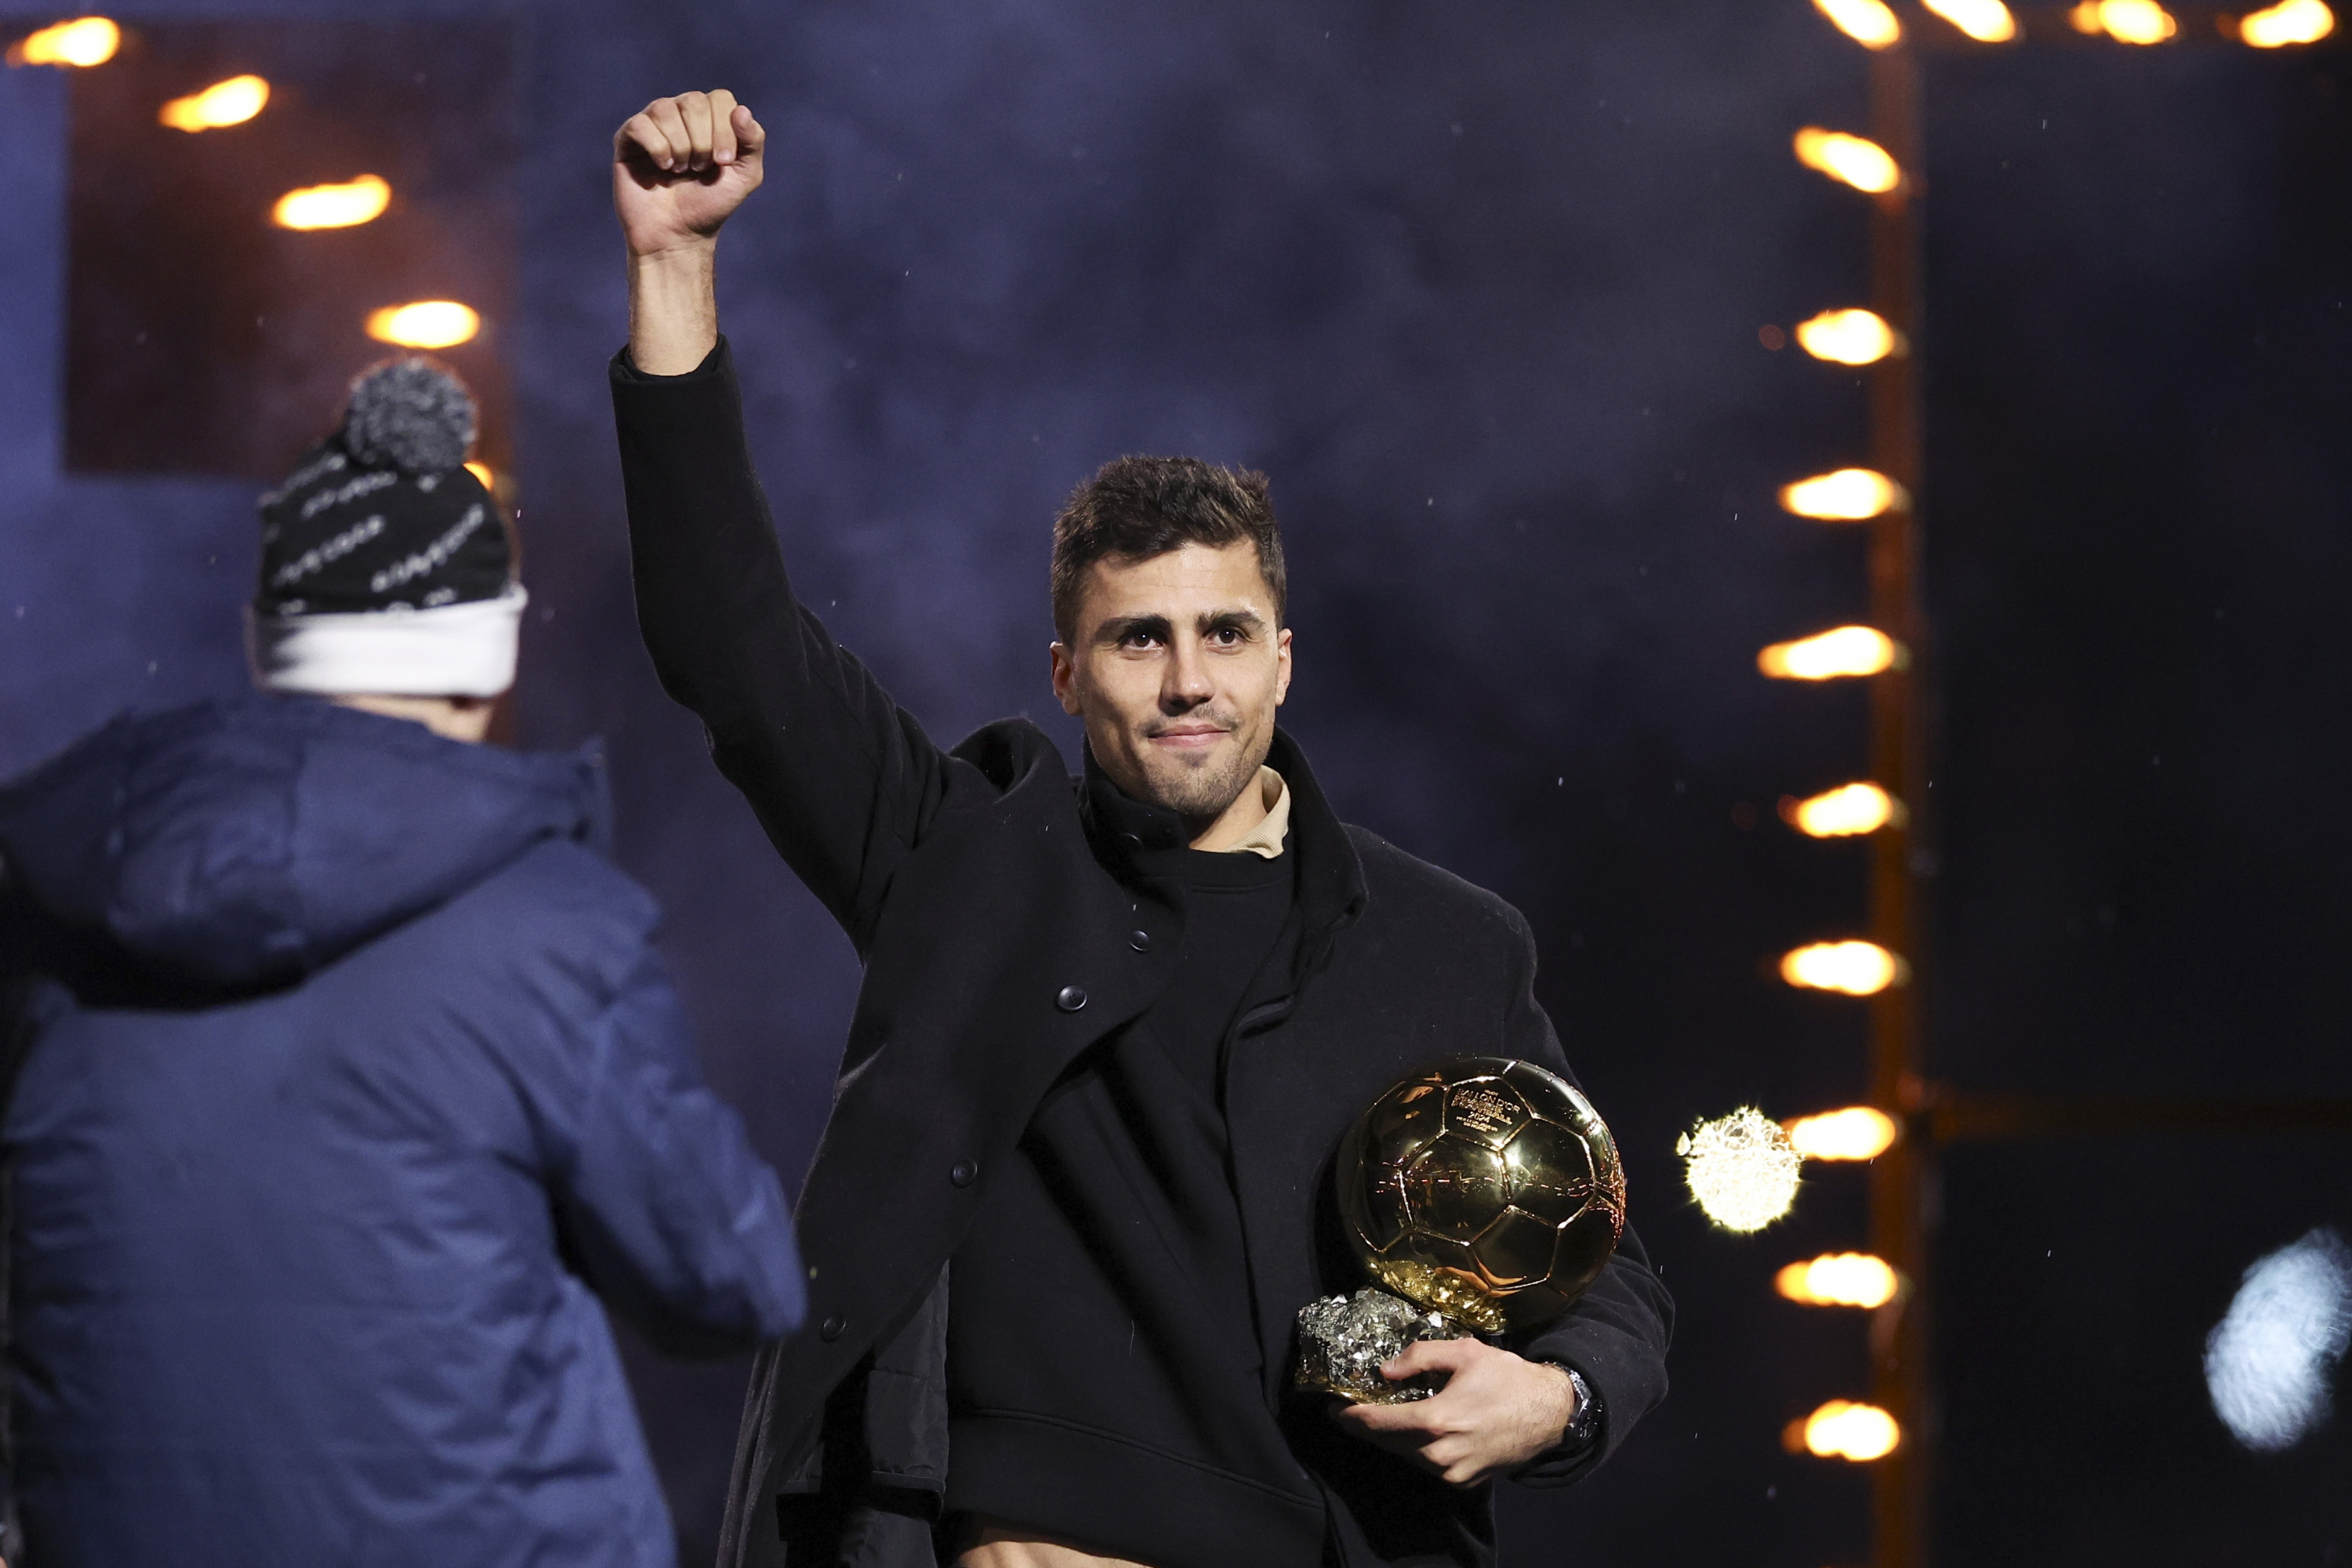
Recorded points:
(1741, 1168)
(1849, 336)
(1843, 812)
(1866, 22)
(230, 103)
(1839, 1430)
(344, 206)
(1854, 161)
(84, 41)
(425, 324)
(1841, 651)
(1847, 495)
(2125, 21)
(1986, 21)
(1850, 968)
(1857, 1132)
(2288, 22)
(1839, 1279)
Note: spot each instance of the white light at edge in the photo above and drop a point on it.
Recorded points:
(2267, 1361)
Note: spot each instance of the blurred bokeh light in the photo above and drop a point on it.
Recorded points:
(1843, 812)
(425, 324)
(1831, 654)
(1868, 22)
(1839, 1279)
(84, 41)
(1986, 21)
(343, 205)
(1851, 968)
(1855, 160)
(2125, 21)
(1847, 337)
(2288, 22)
(225, 104)
(1847, 495)
(1856, 1133)
(1844, 1430)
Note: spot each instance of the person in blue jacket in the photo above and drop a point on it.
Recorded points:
(347, 1083)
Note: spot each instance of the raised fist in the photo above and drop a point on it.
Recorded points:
(680, 168)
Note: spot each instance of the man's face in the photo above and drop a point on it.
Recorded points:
(1177, 666)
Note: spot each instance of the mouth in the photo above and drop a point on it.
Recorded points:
(1188, 737)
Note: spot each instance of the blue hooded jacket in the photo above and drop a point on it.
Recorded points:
(346, 1074)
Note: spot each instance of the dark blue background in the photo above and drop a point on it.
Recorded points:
(1479, 285)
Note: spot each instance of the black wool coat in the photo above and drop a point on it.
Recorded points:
(994, 905)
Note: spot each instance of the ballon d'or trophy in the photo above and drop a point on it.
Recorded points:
(1485, 1193)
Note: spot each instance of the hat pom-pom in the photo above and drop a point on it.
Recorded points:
(411, 414)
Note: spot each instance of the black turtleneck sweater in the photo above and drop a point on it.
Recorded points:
(1104, 1380)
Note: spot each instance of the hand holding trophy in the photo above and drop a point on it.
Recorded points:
(1486, 1194)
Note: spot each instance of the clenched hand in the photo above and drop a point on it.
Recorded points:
(680, 168)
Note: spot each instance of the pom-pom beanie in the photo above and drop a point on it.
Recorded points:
(385, 565)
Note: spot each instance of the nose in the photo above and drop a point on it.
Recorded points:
(1186, 685)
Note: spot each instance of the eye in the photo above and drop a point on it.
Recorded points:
(1227, 636)
(1139, 640)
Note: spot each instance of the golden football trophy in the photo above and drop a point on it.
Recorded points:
(1486, 1194)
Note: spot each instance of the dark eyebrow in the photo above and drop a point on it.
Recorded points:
(1117, 630)
(1240, 620)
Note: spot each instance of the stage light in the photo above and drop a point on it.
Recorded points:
(1741, 1168)
(482, 472)
(2125, 21)
(1850, 968)
(1855, 160)
(425, 324)
(1843, 812)
(1986, 21)
(1857, 1132)
(1866, 22)
(1839, 1279)
(2267, 1361)
(1847, 495)
(345, 205)
(1841, 651)
(2288, 22)
(225, 104)
(84, 41)
(1839, 1430)
(1848, 337)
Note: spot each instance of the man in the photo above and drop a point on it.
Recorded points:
(344, 1073)
(1076, 1185)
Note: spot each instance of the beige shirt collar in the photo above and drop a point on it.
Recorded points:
(1267, 836)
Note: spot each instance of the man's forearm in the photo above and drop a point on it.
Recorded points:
(673, 308)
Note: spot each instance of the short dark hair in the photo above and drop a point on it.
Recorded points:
(1136, 508)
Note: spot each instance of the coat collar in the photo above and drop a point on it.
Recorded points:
(1134, 839)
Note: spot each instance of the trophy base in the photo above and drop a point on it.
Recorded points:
(1342, 1341)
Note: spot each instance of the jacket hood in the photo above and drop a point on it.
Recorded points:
(254, 840)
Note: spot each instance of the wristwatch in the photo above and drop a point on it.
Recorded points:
(1585, 1424)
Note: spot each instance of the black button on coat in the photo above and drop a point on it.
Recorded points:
(987, 903)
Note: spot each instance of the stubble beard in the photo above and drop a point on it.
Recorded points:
(1202, 795)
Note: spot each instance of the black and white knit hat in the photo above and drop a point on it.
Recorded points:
(385, 565)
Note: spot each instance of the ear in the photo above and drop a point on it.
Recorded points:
(1281, 666)
(1065, 679)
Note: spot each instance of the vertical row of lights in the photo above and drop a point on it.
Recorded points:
(1744, 1168)
(90, 41)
